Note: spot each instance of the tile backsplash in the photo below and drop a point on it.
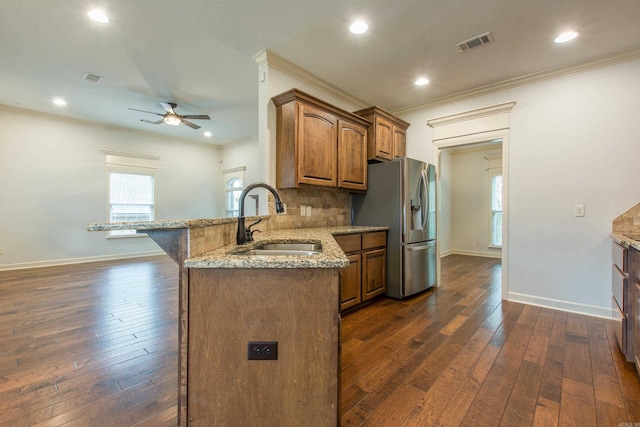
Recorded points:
(628, 222)
(328, 207)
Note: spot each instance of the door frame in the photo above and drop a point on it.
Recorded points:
(474, 127)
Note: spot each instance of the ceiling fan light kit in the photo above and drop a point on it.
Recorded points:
(172, 118)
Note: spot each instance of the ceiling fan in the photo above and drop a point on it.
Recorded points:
(172, 118)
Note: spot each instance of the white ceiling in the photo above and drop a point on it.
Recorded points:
(198, 53)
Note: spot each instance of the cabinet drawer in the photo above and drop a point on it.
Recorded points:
(349, 242)
(619, 257)
(374, 240)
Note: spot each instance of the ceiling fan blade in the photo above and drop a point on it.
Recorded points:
(153, 123)
(169, 107)
(150, 112)
(191, 125)
(196, 116)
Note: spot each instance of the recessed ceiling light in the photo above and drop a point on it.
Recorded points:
(358, 27)
(565, 37)
(207, 134)
(421, 81)
(59, 101)
(99, 15)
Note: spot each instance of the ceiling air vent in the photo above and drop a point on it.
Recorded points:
(91, 78)
(474, 42)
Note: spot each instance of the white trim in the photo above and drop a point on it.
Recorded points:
(69, 261)
(556, 304)
(471, 253)
(119, 153)
(266, 58)
(233, 170)
(485, 124)
(529, 79)
(498, 109)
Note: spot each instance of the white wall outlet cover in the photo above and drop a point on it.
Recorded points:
(308, 210)
(578, 210)
(303, 210)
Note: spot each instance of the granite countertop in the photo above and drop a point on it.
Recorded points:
(624, 240)
(331, 257)
(165, 224)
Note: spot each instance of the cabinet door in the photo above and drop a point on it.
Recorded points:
(374, 273)
(350, 278)
(636, 326)
(399, 142)
(383, 139)
(352, 156)
(317, 147)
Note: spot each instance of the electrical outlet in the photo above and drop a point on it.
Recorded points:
(1, 251)
(308, 210)
(262, 350)
(578, 210)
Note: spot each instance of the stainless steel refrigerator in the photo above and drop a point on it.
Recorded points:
(402, 195)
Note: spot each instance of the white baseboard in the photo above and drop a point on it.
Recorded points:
(471, 253)
(55, 262)
(571, 307)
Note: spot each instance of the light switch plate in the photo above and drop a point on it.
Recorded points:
(579, 210)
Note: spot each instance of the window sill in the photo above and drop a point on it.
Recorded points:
(498, 248)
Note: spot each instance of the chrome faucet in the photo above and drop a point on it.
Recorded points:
(245, 235)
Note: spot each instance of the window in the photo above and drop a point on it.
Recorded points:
(233, 186)
(233, 191)
(130, 189)
(496, 209)
(130, 199)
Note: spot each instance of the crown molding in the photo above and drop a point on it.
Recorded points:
(266, 58)
(529, 79)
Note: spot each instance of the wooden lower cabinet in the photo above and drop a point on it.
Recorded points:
(228, 308)
(366, 276)
(374, 273)
(634, 291)
(351, 283)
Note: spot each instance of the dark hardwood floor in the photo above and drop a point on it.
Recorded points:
(96, 345)
(90, 344)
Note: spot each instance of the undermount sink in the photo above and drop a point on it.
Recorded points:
(293, 249)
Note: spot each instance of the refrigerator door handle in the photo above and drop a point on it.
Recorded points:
(424, 198)
(420, 248)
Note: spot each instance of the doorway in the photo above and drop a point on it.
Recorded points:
(471, 200)
(471, 129)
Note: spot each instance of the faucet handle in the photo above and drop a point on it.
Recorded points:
(249, 232)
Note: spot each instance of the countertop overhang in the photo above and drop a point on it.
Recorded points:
(331, 257)
(624, 240)
(168, 224)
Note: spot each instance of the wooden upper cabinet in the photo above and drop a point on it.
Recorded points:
(399, 142)
(352, 152)
(387, 135)
(319, 144)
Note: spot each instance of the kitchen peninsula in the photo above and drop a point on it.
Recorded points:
(229, 299)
